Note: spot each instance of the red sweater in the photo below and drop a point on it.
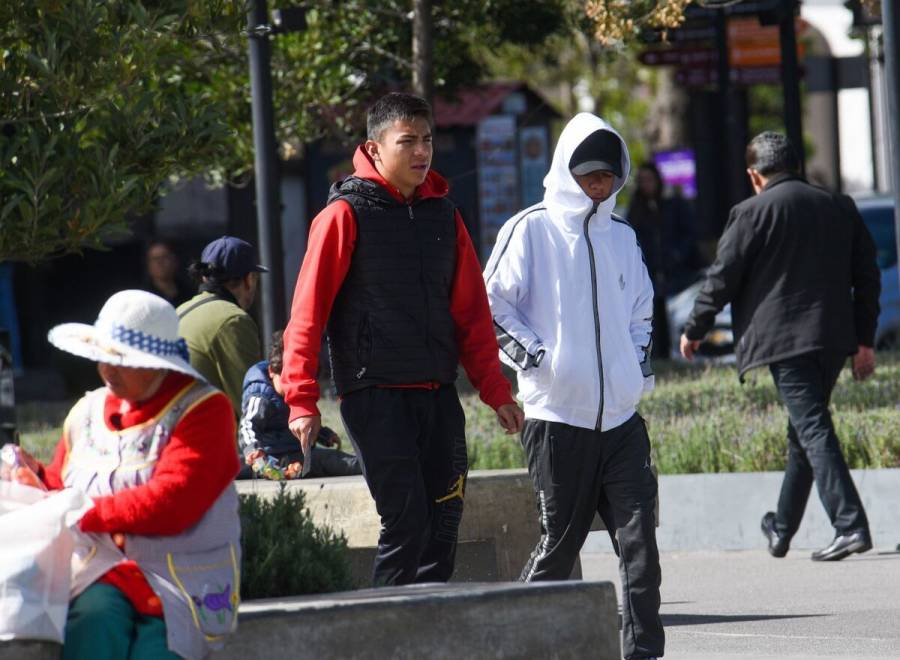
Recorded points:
(328, 255)
(195, 466)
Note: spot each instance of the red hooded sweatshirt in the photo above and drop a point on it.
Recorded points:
(329, 252)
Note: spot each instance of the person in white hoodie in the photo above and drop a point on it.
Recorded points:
(573, 311)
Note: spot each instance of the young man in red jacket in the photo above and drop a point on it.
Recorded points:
(391, 268)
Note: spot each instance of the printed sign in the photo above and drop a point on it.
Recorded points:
(498, 195)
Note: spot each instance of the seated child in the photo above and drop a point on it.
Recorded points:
(267, 443)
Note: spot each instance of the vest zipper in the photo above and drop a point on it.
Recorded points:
(422, 284)
(594, 293)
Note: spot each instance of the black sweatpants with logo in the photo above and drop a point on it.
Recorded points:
(578, 472)
(412, 449)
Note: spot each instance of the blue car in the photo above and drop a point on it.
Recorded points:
(878, 214)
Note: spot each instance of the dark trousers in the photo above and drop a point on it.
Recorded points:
(805, 384)
(578, 472)
(411, 444)
(662, 345)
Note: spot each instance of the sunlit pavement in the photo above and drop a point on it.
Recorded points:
(746, 604)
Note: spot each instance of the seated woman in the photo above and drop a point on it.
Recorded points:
(157, 560)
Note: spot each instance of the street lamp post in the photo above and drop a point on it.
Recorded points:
(790, 76)
(266, 174)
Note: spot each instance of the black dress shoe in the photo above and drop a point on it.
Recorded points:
(778, 545)
(844, 545)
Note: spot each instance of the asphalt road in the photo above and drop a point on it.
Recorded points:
(746, 604)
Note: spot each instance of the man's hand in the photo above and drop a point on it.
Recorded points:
(332, 439)
(511, 418)
(689, 347)
(306, 430)
(253, 455)
(863, 363)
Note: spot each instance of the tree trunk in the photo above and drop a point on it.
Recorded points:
(423, 50)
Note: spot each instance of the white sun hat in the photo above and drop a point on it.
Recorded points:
(134, 329)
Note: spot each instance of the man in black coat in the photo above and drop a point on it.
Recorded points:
(798, 266)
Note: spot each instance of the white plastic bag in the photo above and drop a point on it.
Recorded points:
(35, 559)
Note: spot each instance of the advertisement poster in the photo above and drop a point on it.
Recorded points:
(679, 171)
(498, 194)
(533, 164)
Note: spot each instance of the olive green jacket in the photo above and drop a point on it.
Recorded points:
(223, 341)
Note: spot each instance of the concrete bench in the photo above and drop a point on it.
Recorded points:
(439, 622)
(499, 526)
(473, 621)
(30, 650)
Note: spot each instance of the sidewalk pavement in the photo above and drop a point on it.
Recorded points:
(747, 605)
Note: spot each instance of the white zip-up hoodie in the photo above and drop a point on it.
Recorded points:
(571, 299)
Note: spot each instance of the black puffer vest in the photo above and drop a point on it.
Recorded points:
(391, 323)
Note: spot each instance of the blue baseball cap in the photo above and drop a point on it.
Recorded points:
(234, 257)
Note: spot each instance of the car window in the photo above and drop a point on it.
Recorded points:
(880, 221)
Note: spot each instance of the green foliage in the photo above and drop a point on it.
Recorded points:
(99, 106)
(40, 426)
(571, 67)
(284, 553)
(703, 420)
(103, 103)
(40, 443)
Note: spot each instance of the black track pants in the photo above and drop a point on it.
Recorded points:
(411, 445)
(578, 472)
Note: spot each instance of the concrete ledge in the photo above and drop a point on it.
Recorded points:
(435, 621)
(30, 650)
(723, 511)
(539, 620)
(499, 526)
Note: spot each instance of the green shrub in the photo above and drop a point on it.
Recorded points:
(702, 419)
(284, 553)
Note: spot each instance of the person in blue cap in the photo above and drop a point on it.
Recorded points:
(222, 338)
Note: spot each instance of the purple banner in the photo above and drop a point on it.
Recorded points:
(679, 170)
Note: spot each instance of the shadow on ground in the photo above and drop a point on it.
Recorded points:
(700, 619)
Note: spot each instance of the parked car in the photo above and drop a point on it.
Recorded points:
(719, 343)
(878, 214)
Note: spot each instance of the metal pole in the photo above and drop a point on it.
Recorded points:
(790, 78)
(890, 17)
(268, 204)
(724, 123)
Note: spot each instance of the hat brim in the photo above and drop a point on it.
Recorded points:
(594, 165)
(260, 269)
(85, 341)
